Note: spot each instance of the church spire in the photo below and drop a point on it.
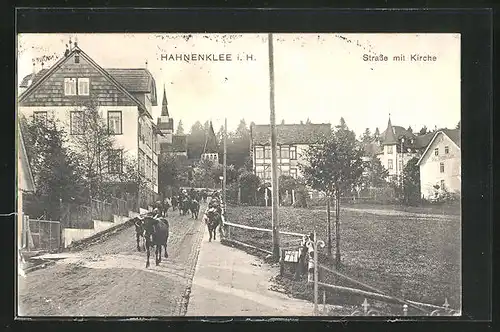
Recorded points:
(164, 104)
(389, 137)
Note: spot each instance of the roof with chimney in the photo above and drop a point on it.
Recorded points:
(308, 133)
(210, 141)
(129, 80)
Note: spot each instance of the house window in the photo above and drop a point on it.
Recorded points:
(70, 86)
(268, 173)
(389, 149)
(76, 123)
(155, 172)
(267, 152)
(285, 152)
(141, 163)
(77, 58)
(293, 172)
(260, 174)
(115, 161)
(389, 164)
(285, 172)
(401, 165)
(442, 185)
(259, 152)
(83, 86)
(293, 152)
(115, 122)
(40, 117)
(441, 167)
(436, 151)
(446, 149)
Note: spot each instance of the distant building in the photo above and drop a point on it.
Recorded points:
(125, 97)
(210, 148)
(396, 146)
(440, 164)
(292, 140)
(165, 124)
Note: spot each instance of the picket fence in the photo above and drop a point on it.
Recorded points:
(365, 308)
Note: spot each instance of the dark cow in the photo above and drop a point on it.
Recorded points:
(156, 232)
(213, 219)
(175, 202)
(194, 208)
(184, 207)
(139, 233)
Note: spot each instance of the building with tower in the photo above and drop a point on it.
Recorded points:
(165, 124)
(210, 148)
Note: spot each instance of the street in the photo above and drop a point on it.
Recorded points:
(109, 278)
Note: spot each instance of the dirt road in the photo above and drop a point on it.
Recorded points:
(110, 279)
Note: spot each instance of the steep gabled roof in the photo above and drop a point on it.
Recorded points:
(389, 135)
(308, 133)
(210, 141)
(61, 61)
(452, 134)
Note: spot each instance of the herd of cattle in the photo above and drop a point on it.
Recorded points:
(152, 228)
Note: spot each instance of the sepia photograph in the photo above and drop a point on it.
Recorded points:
(255, 174)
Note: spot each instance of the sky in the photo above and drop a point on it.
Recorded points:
(322, 77)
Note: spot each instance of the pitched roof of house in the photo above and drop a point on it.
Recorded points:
(26, 181)
(43, 76)
(453, 134)
(210, 141)
(422, 141)
(34, 77)
(290, 133)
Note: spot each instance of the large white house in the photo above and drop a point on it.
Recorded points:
(440, 164)
(125, 97)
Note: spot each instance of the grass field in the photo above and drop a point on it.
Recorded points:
(414, 257)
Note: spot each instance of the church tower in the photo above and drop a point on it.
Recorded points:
(165, 124)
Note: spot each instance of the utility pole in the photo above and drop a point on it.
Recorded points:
(274, 156)
(224, 164)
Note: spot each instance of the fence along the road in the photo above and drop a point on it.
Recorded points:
(376, 295)
(76, 216)
(101, 210)
(45, 234)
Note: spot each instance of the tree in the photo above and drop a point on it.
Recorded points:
(95, 147)
(334, 166)
(180, 128)
(249, 183)
(53, 164)
(170, 172)
(367, 137)
(238, 149)
(423, 131)
(458, 125)
(376, 174)
(411, 182)
(410, 129)
(196, 141)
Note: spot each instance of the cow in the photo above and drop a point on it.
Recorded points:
(184, 206)
(156, 232)
(139, 233)
(175, 203)
(212, 219)
(194, 208)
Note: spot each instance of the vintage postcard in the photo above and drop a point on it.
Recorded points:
(239, 175)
